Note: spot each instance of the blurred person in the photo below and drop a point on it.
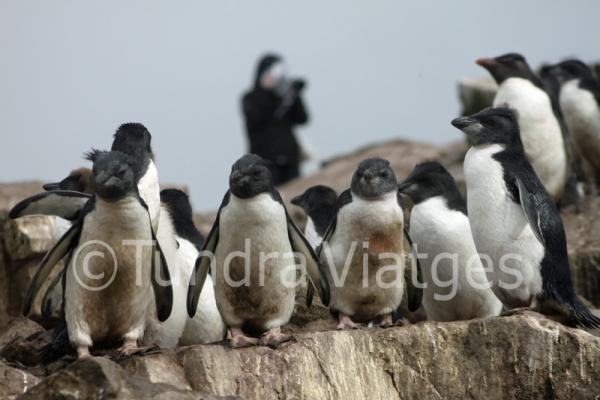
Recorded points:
(271, 110)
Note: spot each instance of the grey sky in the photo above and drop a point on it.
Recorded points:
(72, 71)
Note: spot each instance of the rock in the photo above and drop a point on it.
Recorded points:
(14, 382)
(28, 237)
(26, 241)
(476, 94)
(10, 194)
(4, 282)
(18, 327)
(161, 368)
(524, 356)
(24, 350)
(582, 224)
(100, 378)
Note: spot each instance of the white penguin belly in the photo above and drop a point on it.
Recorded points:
(103, 303)
(206, 326)
(501, 231)
(371, 230)
(540, 132)
(149, 190)
(248, 295)
(456, 286)
(311, 234)
(582, 117)
(167, 333)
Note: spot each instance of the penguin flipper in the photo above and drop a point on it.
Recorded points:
(61, 203)
(314, 267)
(64, 246)
(52, 301)
(161, 278)
(204, 262)
(412, 276)
(531, 204)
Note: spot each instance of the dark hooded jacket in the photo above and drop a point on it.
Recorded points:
(270, 133)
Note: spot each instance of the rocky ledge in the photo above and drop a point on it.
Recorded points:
(522, 356)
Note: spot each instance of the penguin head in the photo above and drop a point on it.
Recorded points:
(427, 180)
(114, 175)
(270, 71)
(78, 181)
(490, 126)
(250, 176)
(572, 69)
(135, 140)
(511, 65)
(316, 198)
(373, 178)
(177, 201)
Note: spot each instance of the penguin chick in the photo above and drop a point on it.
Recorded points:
(364, 249)
(252, 241)
(319, 204)
(109, 281)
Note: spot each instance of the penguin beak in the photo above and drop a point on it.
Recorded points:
(297, 201)
(51, 186)
(463, 122)
(486, 62)
(403, 186)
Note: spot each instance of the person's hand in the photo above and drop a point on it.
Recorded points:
(298, 85)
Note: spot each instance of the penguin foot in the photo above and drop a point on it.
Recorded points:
(273, 338)
(129, 347)
(83, 352)
(238, 339)
(345, 322)
(388, 322)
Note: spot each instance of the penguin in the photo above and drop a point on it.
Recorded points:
(251, 245)
(521, 89)
(206, 326)
(456, 286)
(365, 247)
(319, 204)
(579, 98)
(515, 223)
(106, 298)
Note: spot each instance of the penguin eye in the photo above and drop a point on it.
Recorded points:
(383, 174)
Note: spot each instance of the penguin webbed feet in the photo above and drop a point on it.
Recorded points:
(346, 323)
(131, 347)
(238, 339)
(274, 338)
(387, 321)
